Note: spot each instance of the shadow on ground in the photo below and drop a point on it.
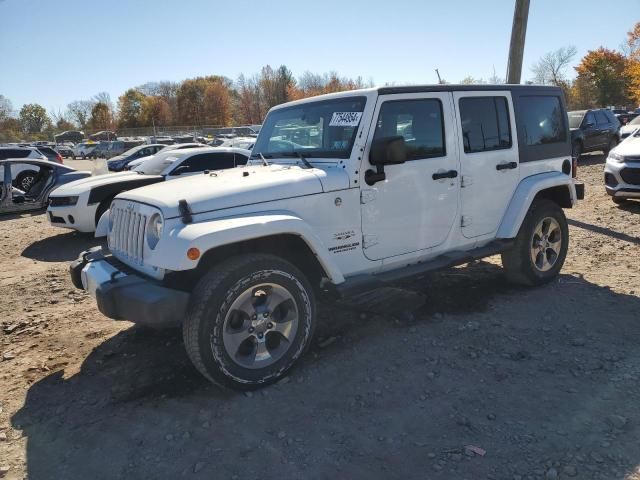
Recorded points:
(531, 376)
(64, 247)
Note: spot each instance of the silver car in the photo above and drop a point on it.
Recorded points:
(48, 176)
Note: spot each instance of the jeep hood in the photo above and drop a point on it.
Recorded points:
(236, 187)
(79, 186)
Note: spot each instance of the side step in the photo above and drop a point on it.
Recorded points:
(360, 283)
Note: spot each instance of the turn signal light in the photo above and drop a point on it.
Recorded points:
(193, 253)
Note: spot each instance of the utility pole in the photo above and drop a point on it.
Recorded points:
(518, 34)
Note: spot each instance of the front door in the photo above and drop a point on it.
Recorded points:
(591, 132)
(414, 208)
(488, 157)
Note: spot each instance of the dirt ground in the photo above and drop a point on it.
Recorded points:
(488, 381)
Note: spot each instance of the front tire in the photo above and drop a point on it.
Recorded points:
(541, 246)
(612, 144)
(619, 200)
(250, 319)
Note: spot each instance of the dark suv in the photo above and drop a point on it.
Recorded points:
(593, 130)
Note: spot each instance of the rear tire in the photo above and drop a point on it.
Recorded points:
(612, 144)
(250, 319)
(541, 246)
(576, 149)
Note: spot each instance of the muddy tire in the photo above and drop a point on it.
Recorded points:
(541, 246)
(250, 319)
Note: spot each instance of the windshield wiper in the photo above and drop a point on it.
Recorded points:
(300, 155)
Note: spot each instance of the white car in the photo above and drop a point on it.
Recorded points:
(23, 174)
(630, 127)
(79, 205)
(622, 169)
(83, 149)
(168, 148)
(239, 142)
(399, 181)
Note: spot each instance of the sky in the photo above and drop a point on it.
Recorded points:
(54, 52)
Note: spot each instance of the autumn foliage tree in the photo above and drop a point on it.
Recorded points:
(155, 111)
(130, 108)
(605, 69)
(632, 70)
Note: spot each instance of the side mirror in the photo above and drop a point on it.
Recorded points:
(588, 125)
(388, 151)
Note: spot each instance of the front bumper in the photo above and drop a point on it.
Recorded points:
(123, 295)
(615, 174)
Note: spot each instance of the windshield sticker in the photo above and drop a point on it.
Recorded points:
(345, 119)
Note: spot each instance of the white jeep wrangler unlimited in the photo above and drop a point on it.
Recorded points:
(346, 192)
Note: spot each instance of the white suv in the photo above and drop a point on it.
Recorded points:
(622, 169)
(346, 192)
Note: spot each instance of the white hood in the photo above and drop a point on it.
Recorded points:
(629, 147)
(80, 186)
(238, 186)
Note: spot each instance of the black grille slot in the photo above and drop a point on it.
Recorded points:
(631, 175)
(610, 180)
(62, 201)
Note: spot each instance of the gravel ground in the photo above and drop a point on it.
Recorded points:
(486, 381)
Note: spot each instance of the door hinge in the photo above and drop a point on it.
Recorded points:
(465, 220)
(367, 195)
(465, 181)
(369, 241)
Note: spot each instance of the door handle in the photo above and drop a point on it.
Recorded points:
(441, 175)
(507, 166)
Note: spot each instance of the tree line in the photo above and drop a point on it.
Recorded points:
(211, 100)
(603, 77)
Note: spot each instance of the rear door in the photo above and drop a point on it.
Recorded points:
(590, 130)
(602, 123)
(415, 207)
(488, 156)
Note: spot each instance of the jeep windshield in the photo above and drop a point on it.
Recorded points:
(326, 128)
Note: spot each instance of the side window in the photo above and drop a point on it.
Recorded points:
(192, 164)
(542, 120)
(418, 121)
(589, 119)
(218, 161)
(240, 159)
(601, 118)
(485, 124)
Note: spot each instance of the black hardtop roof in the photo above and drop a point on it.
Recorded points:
(522, 89)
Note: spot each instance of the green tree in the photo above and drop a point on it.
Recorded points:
(33, 118)
(130, 108)
(101, 117)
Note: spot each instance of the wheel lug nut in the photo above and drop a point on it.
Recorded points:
(269, 325)
(254, 316)
(251, 329)
(260, 335)
(265, 314)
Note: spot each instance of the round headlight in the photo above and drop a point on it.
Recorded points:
(154, 230)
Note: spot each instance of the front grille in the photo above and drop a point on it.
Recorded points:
(127, 234)
(632, 159)
(631, 175)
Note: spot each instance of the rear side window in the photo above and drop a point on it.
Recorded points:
(240, 159)
(601, 118)
(14, 153)
(542, 120)
(485, 124)
(418, 121)
(208, 161)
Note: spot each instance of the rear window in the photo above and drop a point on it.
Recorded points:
(14, 153)
(542, 120)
